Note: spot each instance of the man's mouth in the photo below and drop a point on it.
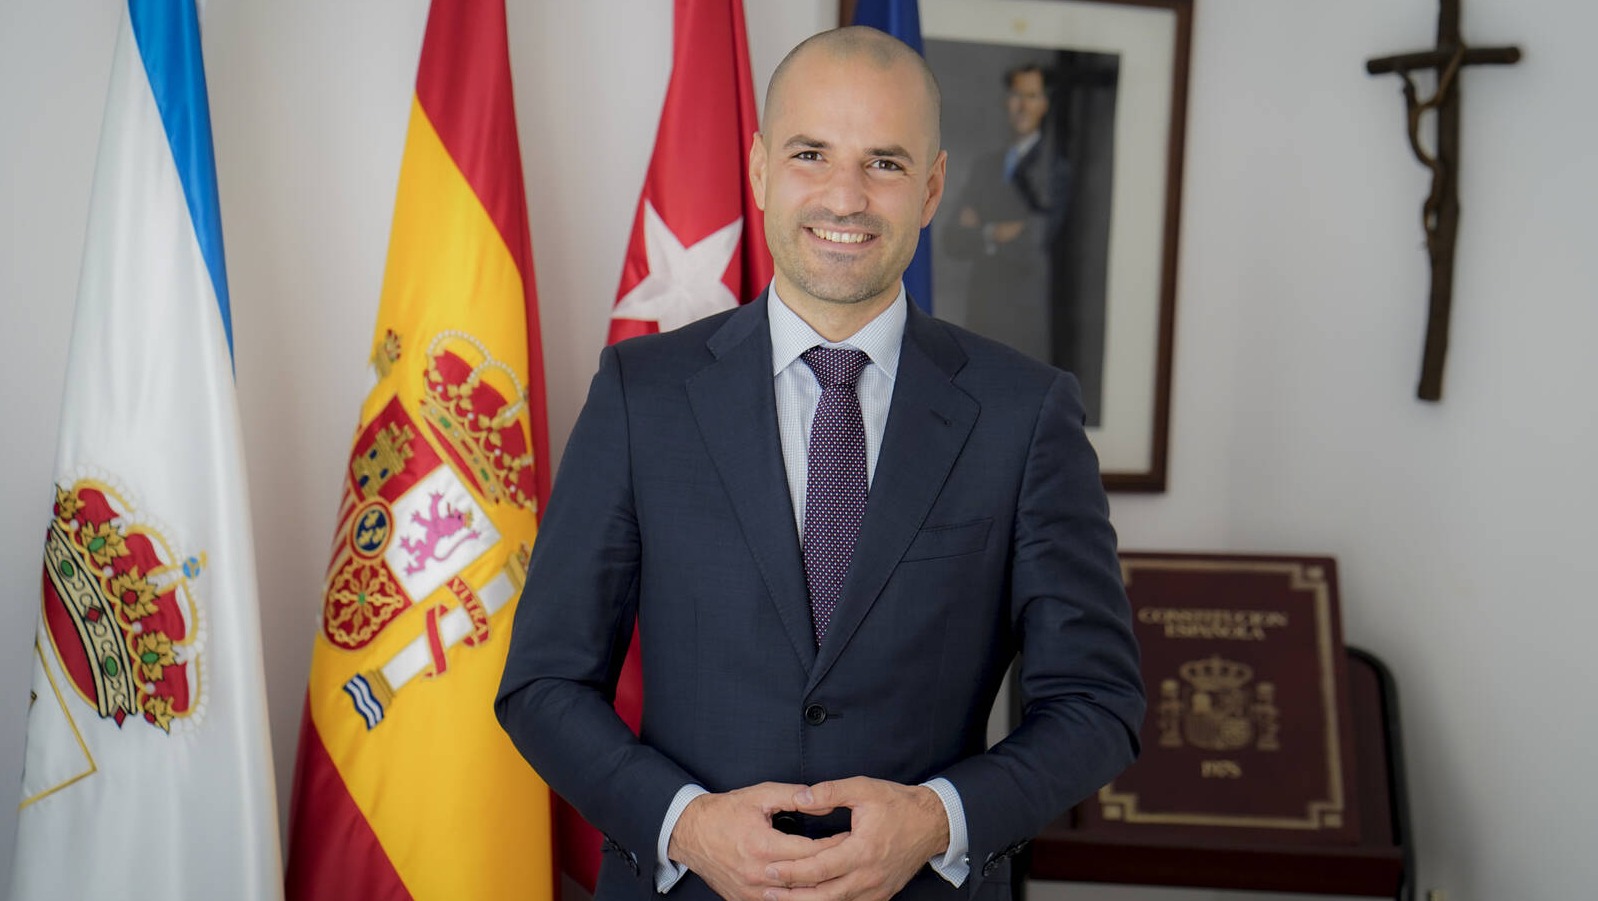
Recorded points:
(836, 237)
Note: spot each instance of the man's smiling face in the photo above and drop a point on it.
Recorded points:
(847, 170)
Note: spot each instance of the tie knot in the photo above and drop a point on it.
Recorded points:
(835, 366)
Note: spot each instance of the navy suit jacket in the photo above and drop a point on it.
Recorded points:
(985, 535)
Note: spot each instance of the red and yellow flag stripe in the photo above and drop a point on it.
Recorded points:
(406, 787)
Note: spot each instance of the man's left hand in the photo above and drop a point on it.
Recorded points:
(894, 830)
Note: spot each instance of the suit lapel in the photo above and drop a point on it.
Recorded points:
(735, 406)
(929, 420)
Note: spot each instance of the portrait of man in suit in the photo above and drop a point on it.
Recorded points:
(1022, 246)
(837, 522)
(1009, 217)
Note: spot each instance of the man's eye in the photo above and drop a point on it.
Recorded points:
(889, 165)
(807, 155)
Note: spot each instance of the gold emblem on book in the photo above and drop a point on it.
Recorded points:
(1213, 708)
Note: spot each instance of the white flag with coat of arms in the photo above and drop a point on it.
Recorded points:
(148, 770)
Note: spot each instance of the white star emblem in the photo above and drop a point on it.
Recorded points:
(684, 283)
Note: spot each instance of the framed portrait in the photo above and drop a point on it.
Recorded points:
(1064, 120)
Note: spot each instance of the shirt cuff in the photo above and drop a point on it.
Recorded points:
(668, 871)
(952, 864)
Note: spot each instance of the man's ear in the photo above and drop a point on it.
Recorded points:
(757, 170)
(935, 179)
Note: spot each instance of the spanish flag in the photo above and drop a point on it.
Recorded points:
(405, 786)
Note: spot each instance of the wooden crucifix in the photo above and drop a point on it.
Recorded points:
(1440, 212)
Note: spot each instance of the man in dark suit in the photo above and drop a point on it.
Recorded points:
(831, 571)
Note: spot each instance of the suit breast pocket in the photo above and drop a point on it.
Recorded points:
(949, 541)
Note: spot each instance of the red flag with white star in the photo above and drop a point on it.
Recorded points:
(698, 247)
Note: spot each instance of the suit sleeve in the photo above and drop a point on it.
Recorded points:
(571, 632)
(1081, 689)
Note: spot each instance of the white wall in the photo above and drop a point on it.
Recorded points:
(1462, 528)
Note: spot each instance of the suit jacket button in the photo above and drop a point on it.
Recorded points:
(815, 714)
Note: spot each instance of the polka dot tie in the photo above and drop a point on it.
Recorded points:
(835, 485)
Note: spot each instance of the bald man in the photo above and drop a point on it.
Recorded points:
(837, 521)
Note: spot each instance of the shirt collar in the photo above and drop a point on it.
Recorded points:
(880, 338)
(1025, 144)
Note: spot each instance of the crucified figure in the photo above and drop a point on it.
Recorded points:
(1440, 212)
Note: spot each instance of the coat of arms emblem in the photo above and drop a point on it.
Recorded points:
(119, 608)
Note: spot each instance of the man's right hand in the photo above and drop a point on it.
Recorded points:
(727, 839)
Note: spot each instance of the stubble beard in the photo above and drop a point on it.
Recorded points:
(838, 290)
(844, 283)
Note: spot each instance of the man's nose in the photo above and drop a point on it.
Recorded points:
(845, 192)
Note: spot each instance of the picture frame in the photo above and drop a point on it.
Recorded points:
(1066, 247)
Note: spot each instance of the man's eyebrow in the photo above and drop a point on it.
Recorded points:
(804, 142)
(892, 151)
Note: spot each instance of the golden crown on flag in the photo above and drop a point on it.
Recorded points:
(478, 407)
(118, 608)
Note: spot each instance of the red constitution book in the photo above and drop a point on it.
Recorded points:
(1248, 733)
